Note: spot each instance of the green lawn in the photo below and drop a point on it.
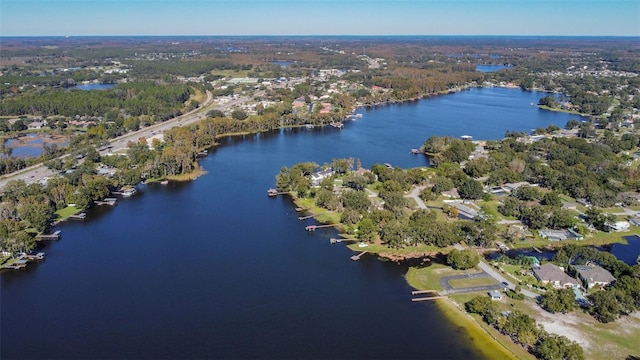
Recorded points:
(469, 282)
(64, 214)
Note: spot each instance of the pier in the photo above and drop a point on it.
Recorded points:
(275, 192)
(54, 236)
(17, 265)
(81, 216)
(33, 257)
(357, 257)
(314, 227)
(336, 241)
(107, 201)
(433, 295)
(305, 217)
(537, 250)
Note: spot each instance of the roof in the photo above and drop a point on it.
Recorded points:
(495, 294)
(594, 274)
(551, 272)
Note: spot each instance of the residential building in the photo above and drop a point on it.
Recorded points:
(594, 275)
(554, 275)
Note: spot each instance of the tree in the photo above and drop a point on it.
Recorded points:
(463, 259)
(38, 212)
(366, 230)
(470, 189)
(239, 114)
(604, 306)
(559, 300)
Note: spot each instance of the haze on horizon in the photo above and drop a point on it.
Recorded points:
(319, 17)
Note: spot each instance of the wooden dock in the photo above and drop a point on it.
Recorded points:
(422, 292)
(536, 249)
(428, 298)
(357, 257)
(80, 216)
(107, 201)
(336, 241)
(17, 265)
(54, 236)
(314, 227)
(275, 192)
(305, 217)
(33, 257)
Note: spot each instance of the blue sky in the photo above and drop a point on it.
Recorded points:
(319, 17)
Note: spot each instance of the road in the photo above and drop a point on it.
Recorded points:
(38, 172)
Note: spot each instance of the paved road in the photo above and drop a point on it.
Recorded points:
(38, 172)
(415, 196)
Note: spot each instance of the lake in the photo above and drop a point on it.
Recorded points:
(629, 252)
(214, 268)
(88, 87)
(491, 68)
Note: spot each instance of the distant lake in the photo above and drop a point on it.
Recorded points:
(490, 68)
(94, 86)
(31, 144)
(282, 63)
(214, 268)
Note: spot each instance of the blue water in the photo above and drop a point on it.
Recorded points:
(627, 252)
(282, 63)
(33, 148)
(216, 269)
(94, 86)
(490, 68)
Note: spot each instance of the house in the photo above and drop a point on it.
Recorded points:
(318, 176)
(635, 221)
(619, 226)
(554, 275)
(594, 275)
(495, 295)
(560, 235)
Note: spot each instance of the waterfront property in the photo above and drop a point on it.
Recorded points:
(593, 275)
(551, 274)
(560, 235)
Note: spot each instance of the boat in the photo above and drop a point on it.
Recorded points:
(466, 137)
(164, 182)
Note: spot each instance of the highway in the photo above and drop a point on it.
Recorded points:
(38, 172)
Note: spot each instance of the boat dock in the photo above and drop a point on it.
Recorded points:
(33, 257)
(314, 227)
(80, 216)
(54, 236)
(433, 295)
(336, 241)
(305, 217)
(275, 192)
(357, 257)
(17, 265)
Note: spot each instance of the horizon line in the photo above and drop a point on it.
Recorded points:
(321, 35)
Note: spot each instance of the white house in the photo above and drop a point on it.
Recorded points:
(619, 226)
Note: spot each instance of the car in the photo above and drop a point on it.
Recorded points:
(505, 283)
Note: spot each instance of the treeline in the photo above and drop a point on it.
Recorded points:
(524, 330)
(134, 99)
(188, 68)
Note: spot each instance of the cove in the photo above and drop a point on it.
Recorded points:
(216, 269)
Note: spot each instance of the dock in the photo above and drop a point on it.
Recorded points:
(336, 241)
(107, 201)
(415, 151)
(305, 217)
(314, 227)
(428, 298)
(275, 192)
(537, 250)
(33, 257)
(357, 257)
(433, 295)
(80, 216)
(54, 236)
(17, 265)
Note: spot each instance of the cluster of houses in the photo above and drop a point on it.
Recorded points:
(588, 276)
